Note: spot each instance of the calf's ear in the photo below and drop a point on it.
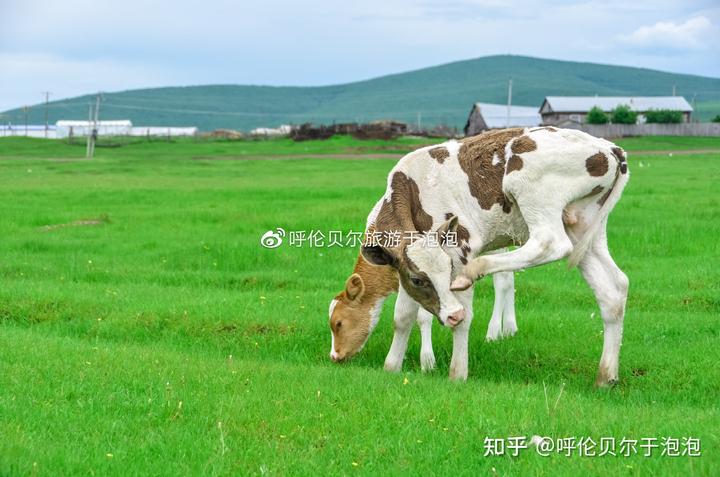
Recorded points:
(378, 255)
(450, 226)
(354, 287)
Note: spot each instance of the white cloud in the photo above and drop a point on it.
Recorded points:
(692, 35)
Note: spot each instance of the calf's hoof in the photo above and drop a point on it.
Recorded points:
(493, 333)
(606, 384)
(458, 376)
(509, 330)
(427, 362)
(458, 373)
(605, 379)
(393, 366)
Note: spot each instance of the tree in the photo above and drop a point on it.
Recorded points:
(597, 116)
(716, 119)
(664, 116)
(623, 115)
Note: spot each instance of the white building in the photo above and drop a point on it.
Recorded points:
(67, 128)
(567, 110)
(491, 116)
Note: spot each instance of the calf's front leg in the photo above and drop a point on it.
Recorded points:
(461, 336)
(406, 310)
(427, 357)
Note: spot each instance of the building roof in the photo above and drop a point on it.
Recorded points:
(582, 104)
(495, 115)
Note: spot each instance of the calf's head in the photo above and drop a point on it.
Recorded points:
(426, 271)
(352, 318)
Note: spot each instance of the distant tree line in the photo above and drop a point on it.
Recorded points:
(622, 114)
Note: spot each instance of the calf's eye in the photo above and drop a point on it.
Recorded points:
(418, 282)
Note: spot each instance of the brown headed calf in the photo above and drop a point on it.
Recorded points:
(355, 311)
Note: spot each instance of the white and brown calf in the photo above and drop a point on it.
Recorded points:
(355, 311)
(549, 189)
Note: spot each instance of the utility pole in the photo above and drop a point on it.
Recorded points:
(673, 90)
(26, 110)
(509, 102)
(93, 125)
(693, 105)
(89, 139)
(47, 99)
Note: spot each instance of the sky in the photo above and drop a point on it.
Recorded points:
(75, 47)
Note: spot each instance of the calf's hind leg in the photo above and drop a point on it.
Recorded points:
(547, 242)
(610, 286)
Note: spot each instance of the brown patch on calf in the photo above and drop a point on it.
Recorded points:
(597, 164)
(439, 154)
(403, 212)
(476, 160)
(522, 145)
(515, 163)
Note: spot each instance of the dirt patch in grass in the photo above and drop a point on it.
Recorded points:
(101, 220)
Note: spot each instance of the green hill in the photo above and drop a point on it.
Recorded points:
(440, 94)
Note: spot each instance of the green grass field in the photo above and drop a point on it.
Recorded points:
(165, 341)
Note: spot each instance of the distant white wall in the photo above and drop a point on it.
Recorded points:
(163, 131)
(64, 129)
(84, 128)
(31, 131)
